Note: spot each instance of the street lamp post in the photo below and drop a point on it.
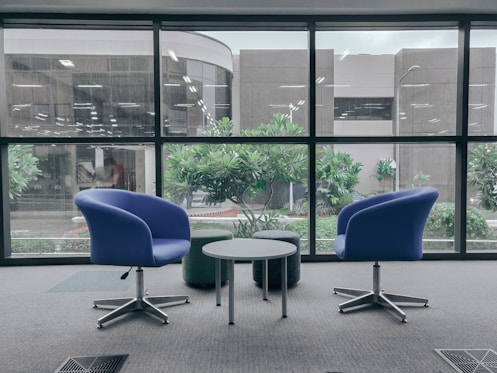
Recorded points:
(291, 108)
(397, 125)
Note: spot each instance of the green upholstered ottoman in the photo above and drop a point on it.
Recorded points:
(199, 269)
(274, 265)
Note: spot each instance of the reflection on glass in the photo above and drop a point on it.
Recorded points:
(44, 178)
(384, 83)
(482, 200)
(481, 110)
(349, 172)
(79, 83)
(248, 77)
(197, 83)
(241, 187)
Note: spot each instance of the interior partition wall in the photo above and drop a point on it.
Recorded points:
(280, 120)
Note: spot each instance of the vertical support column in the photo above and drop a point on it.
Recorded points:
(376, 280)
(139, 284)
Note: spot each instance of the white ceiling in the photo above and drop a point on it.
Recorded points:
(293, 7)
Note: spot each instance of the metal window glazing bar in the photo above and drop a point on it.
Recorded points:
(312, 140)
(157, 108)
(462, 133)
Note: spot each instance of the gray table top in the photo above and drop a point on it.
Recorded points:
(249, 249)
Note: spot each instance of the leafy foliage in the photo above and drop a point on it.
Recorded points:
(23, 168)
(420, 179)
(336, 176)
(269, 221)
(482, 173)
(237, 172)
(385, 172)
(440, 223)
(325, 230)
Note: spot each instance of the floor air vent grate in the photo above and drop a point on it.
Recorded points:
(92, 364)
(470, 360)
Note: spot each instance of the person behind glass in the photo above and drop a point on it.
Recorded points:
(115, 173)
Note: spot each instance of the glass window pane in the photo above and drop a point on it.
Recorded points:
(43, 179)
(481, 214)
(248, 77)
(386, 83)
(79, 83)
(481, 117)
(349, 172)
(241, 187)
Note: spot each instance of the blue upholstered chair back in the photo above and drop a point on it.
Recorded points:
(386, 227)
(133, 229)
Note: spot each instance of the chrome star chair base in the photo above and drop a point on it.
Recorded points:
(150, 305)
(377, 297)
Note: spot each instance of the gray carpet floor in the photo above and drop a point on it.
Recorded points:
(47, 316)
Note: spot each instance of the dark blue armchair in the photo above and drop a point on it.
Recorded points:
(385, 227)
(135, 230)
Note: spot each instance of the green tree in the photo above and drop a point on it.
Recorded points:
(237, 172)
(482, 173)
(336, 175)
(23, 168)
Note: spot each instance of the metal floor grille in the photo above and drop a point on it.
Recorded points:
(92, 364)
(470, 360)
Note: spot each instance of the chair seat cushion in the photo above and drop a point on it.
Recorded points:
(339, 246)
(167, 250)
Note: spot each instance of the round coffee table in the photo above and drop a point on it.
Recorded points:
(249, 249)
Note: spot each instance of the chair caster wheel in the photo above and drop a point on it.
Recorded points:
(187, 301)
(99, 326)
(165, 322)
(340, 311)
(95, 306)
(426, 305)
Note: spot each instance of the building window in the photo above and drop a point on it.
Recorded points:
(376, 110)
(363, 108)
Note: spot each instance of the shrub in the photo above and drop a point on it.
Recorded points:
(73, 244)
(385, 172)
(336, 176)
(325, 230)
(440, 224)
(24, 243)
(40, 242)
(23, 168)
(245, 229)
(481, 174)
